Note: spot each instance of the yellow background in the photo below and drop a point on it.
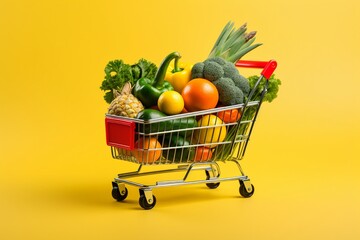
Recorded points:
(56, 170)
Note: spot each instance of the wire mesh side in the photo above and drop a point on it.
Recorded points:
(196, 137)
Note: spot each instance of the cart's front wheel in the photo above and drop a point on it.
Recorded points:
(145, 204)
(246, 193)
(116, 194)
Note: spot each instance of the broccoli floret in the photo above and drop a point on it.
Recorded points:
(229, 94)
(213, 71)
(230, 70)
(232, 86)
(242, 83)
(197, 70)
(218, 60)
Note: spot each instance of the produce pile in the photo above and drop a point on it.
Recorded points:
(146, 91)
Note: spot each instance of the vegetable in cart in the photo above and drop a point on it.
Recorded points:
(164, 125)
(149, 90)
(232, 86)
(179, 75)
(180, 148)
(117, 73)
(232, 44)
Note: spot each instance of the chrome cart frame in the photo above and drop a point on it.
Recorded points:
(224, 141)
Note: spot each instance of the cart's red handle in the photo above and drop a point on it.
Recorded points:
(268, 67)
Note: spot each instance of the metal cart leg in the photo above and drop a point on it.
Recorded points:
(119, 191)
(246, 189)
(215, 173)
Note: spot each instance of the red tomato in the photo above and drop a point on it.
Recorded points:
(203, 154)
(229, 116)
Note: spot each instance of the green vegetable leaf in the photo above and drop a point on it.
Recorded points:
(117, 73)
(148, 69)
(272, 90)
(233, 43)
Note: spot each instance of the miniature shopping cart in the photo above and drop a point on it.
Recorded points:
(181, 146)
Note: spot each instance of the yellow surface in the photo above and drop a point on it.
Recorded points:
(55, 168)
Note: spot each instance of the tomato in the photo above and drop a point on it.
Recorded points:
(200, 94)
(147, 150)
(229, 116)
(213, 132)
(203, 154)
(170, 103)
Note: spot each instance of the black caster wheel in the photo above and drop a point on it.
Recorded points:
(145, 204)
(116, 194)
(211, 185)
(244, 192)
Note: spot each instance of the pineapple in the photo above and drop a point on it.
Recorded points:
(125, 104)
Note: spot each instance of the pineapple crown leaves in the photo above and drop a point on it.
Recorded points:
(125, 90)
(232, 44)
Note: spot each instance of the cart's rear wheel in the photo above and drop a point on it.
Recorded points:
(211, 185)
(244, 192)
(144, 202)
(116, 194)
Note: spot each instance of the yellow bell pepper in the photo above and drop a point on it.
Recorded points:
(179, 74)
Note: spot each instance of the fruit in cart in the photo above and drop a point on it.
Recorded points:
(147, 150)
(229, 116)
(117, 73)
(123, 153)
(125, 104)
(231, 85)
(211, 131)
(149, 90)
(178, 75)
(232, 43)
(200, 94)
(171, 102)
(203, 154)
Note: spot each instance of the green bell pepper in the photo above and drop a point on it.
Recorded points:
(180, 151)
(149, 90)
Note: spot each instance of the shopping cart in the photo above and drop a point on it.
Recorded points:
(183, 146)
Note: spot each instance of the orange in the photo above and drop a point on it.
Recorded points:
(147, 150)
(200, 94)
